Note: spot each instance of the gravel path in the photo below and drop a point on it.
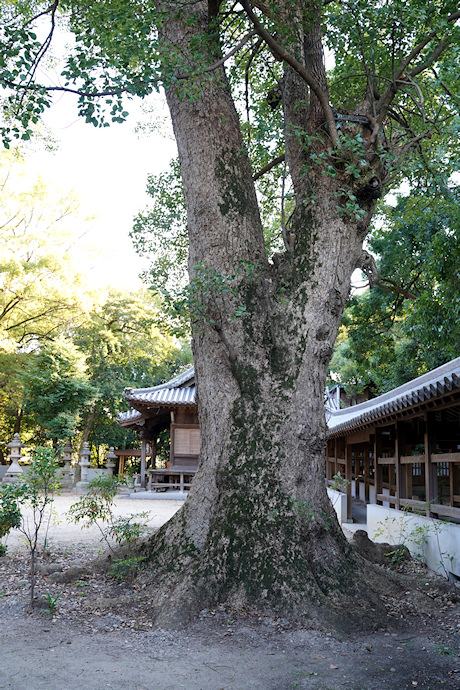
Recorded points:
(61, 532)
(101, 634)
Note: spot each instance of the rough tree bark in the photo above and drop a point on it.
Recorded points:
(258, 528)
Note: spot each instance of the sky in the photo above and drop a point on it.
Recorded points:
(108, 169)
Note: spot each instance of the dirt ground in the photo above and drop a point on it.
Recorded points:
(100, 635)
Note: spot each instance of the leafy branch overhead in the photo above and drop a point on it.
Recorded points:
(402, 75)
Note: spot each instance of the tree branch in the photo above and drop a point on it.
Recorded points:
(269, 166)
(50, 9)
(387, 97)
(232, 52)
(369, 268)
(65, 89)
(390, 286)
(280, 53)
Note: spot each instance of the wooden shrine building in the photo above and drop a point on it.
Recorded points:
(170, 405)
(399, 449)
(402, 449)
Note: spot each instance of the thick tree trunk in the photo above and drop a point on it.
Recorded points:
(17, 422)
(88, 425)
(258, 528)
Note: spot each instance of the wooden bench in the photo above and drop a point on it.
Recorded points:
(174, 478)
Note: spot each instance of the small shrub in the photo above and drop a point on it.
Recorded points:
(126, 568)
(10, 514)
(96, 508)
(34, 491)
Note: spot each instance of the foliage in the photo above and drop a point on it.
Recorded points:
(52, 602)
(33, 491)
(56, 387)
(125, 568)
(124, 345)
(96, 508)
(161, 231)
(41, 290)
(408, 532)
(45, 307)
(340, 482)
(409, 323)
(10, 515)
(97, 502)
(160, 234)
(11, 395)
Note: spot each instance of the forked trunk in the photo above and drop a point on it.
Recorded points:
(257, 529)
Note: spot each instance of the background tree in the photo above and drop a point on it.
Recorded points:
(263, 331)
(409, 322)
(56, 388)
(41, 290)
(124, 346)
(42, 295)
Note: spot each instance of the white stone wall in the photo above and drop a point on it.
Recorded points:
(339, 502)
(94, 472)
(436, 542)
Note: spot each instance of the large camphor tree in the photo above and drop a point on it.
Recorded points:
(258, 529)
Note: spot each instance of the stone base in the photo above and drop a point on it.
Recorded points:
(10, 478)
(81, 488)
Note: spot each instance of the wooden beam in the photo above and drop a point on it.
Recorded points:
(386, 461)
(400, 474)
(359, 436)
(445, 457)
(143, 461)
(377, 467)
(410, 459)
(348, 477)
(384, 498)
(447, 511)
(418, 505)
(366, 475)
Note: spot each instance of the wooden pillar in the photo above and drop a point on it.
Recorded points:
(367, 472)
(378, 468)
(409, 475)
(431, 474)
(143, 460)
(348, 477)
(153, 445)
(336, 454)
(400, 445)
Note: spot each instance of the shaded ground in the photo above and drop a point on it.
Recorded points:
(100, 635)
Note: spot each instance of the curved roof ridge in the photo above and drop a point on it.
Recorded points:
(176, 382)
(431, 384)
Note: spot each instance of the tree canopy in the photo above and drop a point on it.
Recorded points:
(408, 323)
(56, 387)
(42, 292)
(67, 352)
(124, 346)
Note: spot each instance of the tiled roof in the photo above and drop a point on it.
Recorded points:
(163, 396)
(427, 387)
(130, 416)
(182, 391)
(179, 391)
